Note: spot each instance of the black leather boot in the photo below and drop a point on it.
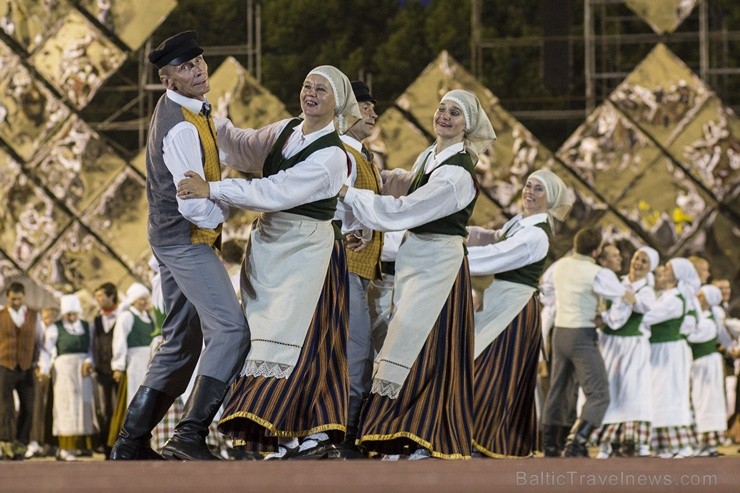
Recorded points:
(189, 440)
(146, 409)
(577, 444)
(553, 439)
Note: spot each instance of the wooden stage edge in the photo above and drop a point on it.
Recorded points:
(716, 475)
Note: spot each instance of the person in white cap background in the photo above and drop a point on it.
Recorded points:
(184, 236)
(508, 331)
(672, 318)
(68, 351)
(132, 336)
(625, 346)
(294, 383)
(420, 402)
(707, 374)
(579, 284)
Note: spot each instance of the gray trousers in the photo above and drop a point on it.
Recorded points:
(380, 301)
(359, 346)
(576, 358)
(201, 308)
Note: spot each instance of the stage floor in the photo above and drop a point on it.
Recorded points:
(715, 475)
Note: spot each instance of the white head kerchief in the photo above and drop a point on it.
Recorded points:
(479, 133)
(70, 303)
(712, 294)
(346, 109)
(688, 282)
(559, 201)
(136, 291)
(652, 254)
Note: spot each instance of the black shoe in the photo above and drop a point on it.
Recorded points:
(627, 449)
(189, 440)
(82, 452)
(324, 450)
(238, 453)
(577, 444)
(349, 451)
(553, 439)
(145, 411)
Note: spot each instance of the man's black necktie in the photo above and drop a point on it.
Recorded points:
(367, 154)
(206, 110)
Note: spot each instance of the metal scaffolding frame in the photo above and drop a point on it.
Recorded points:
(144, 88)
(599, 81)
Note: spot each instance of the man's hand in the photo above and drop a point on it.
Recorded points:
(117, 374)
(358, 240)
(193, 187)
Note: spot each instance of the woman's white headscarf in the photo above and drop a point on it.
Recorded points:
(346, 109)
(652, 255)
(70, 303)
(712, 294)
(654, 258)
(479, 133)
(688, 282)
(559, 201)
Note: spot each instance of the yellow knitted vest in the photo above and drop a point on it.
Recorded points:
(366, 263)
(211, 169)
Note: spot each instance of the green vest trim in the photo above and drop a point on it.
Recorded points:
(141, 332)
(455, 223)
(631, 327)
(669, 330)
(323, 209)
(700, 349)
(528, 274)
(72, 344)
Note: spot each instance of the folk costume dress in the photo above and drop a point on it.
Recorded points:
(508, 337)
(625, 346)
(294, 280)
(707, 377)
(422, 382)
(670, 361)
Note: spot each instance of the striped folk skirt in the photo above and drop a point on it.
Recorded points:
(505, 382)
(315, 396)
(435, 408)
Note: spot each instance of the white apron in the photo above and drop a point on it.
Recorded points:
(670, 368)
(627, 362)
(707, 393)
(426, 268)
(502, 302)
(284, 271)
(137, 362)
(73, 397)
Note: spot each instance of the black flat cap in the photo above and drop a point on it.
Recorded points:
(176, 49)
(362, 92)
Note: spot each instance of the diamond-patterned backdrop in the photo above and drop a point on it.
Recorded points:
(657, 162)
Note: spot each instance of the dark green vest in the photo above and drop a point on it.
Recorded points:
(631, 327)
(72, 344)
(527, 274)
(700, 349)
(455, 223)
(141, 332)
(321, 209)
(669, 330)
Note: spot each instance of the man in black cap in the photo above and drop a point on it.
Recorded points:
(363, 263)
(200, 302)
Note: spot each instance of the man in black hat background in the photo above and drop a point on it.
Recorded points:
(200, 301)
(363, 248)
